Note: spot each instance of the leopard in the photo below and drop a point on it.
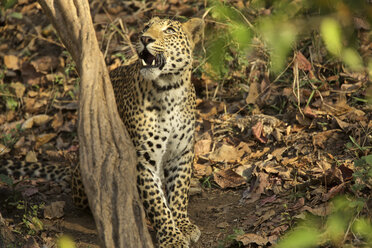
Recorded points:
(156, 101)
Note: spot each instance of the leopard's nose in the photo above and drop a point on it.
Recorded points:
(146, 40)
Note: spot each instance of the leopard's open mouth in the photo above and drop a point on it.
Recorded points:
(150, 61)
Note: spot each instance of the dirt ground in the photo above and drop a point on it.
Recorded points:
(217, 213)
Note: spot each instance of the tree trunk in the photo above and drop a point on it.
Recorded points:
(107, 156)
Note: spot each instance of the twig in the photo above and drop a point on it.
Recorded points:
(296, 84)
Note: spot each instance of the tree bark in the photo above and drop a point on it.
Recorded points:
(107, 156)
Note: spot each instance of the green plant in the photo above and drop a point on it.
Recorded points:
(65, 242)
(10, 138)
(9, 99)
(206, 181)
(30, 220)
(363, 173)
(279, 32)
(333, 230)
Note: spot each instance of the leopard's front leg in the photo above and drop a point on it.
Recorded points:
(156, 207)
(177, 174)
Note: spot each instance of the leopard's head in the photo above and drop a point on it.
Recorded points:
(165, 46)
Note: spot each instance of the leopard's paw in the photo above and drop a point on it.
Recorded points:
(178, 241)
(191, 231)
(172, 238)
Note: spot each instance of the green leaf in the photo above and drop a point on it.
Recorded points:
(279, 37)
(8, 3)
(65, 242)
(16, 15)
(368, 159)
(6, 179)
(331, 33)
(302, 237)
(364, 228)
(240, 34)
(352, 59)
(336, 226)
(11, 103)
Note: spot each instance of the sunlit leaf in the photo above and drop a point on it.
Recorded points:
(240, 34)
(222, 12)
(302, 237)
(279, 37)
(331, 33)
(16, 15)
(370, 68)
(336, 226)
(65, 242)
(216, 54)
(11, 103)
(352, 59)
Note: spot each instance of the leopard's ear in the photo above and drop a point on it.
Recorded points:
(195, 29)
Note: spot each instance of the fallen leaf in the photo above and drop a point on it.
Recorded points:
(322, 210)
(267, 215)
(273, 168)
(320, 139)
(222, 225)
(31, 157)
(201, 170)
(30, 191)
(361, 23)
(209, 108)
(202, 147)
(303, 120)
(54, 210)
(269, 199)
(333, 192)
(11, 62)
(3, 149)
(243, 147)
(310, 112)
(228, 179)
(30, 75)
(257, 188)
(19, 143)
(259, 154)
(32, 93)
(257, 131)
(57, 121)
(245, 170)
(18, 88)
(45, 64)
(287, 161)
(43, 139)
(254, 92)
(277, 153)
(226, 153)
(350, 88)
(302, 61)
(252, 238)
(35, 120)
(342, 124)
(299, 204)
(347, 173)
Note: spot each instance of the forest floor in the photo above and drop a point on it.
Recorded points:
(262, 162)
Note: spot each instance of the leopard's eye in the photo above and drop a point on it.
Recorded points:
(170, 30)
(145, 28)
